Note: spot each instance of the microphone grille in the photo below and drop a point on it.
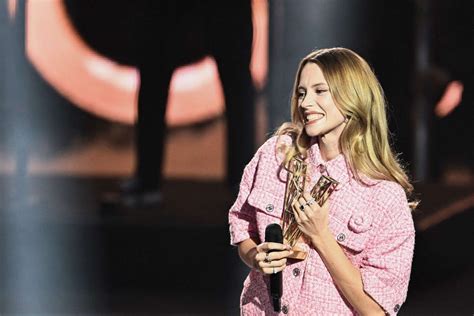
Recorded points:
(273, 233)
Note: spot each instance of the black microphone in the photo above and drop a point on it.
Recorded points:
(273, 233)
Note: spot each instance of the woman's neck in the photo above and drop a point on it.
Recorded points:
(328, 148)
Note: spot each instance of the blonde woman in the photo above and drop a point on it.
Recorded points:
(359, 244)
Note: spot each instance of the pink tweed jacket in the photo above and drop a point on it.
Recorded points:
(371, 222)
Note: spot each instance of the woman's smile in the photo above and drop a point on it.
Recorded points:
(312, 117)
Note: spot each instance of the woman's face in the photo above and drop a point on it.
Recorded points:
(319, 111)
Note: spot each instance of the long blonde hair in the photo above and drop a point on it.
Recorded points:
(358, 94)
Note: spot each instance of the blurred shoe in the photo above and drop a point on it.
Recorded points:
(132, 195)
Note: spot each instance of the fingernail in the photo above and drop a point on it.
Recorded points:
(288, 247)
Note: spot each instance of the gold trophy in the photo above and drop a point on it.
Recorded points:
(294, 189)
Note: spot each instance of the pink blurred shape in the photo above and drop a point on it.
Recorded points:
(11, 7)
(451, 98)
(107, 89)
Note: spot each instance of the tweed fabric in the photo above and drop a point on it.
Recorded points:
(371, 221)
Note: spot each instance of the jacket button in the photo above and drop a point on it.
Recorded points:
(396, 308)
(341, 237)
(322, 168)
(285, 309)
(296, 272)
(269, 208)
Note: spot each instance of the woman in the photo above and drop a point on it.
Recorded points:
(359, 244)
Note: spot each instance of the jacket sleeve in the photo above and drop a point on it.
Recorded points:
(386, 266)
(242, 220)
(242, 223)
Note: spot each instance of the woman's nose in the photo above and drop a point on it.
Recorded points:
(306, 102)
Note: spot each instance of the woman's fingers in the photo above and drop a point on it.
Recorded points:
(260, 256)
(315, 205)
(273, 263)
(271, 256)
(267, 246)
(308, 204)
(300, 215)
(307, 197)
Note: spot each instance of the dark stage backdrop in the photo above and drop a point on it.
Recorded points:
(380, 32)
(385, 34)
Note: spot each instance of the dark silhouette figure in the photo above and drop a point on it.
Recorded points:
(174, 33)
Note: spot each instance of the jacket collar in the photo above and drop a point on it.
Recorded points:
(337, 168)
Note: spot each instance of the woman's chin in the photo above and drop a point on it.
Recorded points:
(311, 131)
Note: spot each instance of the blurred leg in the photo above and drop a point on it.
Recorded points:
(230, 39)
(240, 115)
(151, 126)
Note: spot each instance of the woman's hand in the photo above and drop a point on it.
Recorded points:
(312, 219)
(270, 257)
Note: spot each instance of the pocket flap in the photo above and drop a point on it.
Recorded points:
(355, 240)
(266, 202)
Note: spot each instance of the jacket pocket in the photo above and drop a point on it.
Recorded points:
(268, 209)
(353, 231)
(352, 243)
(266, 202)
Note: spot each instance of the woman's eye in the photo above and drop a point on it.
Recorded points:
(319, 91)
(300, 95)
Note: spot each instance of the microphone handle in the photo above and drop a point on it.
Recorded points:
(273, 233)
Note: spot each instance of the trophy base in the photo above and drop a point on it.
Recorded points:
(298, 253)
